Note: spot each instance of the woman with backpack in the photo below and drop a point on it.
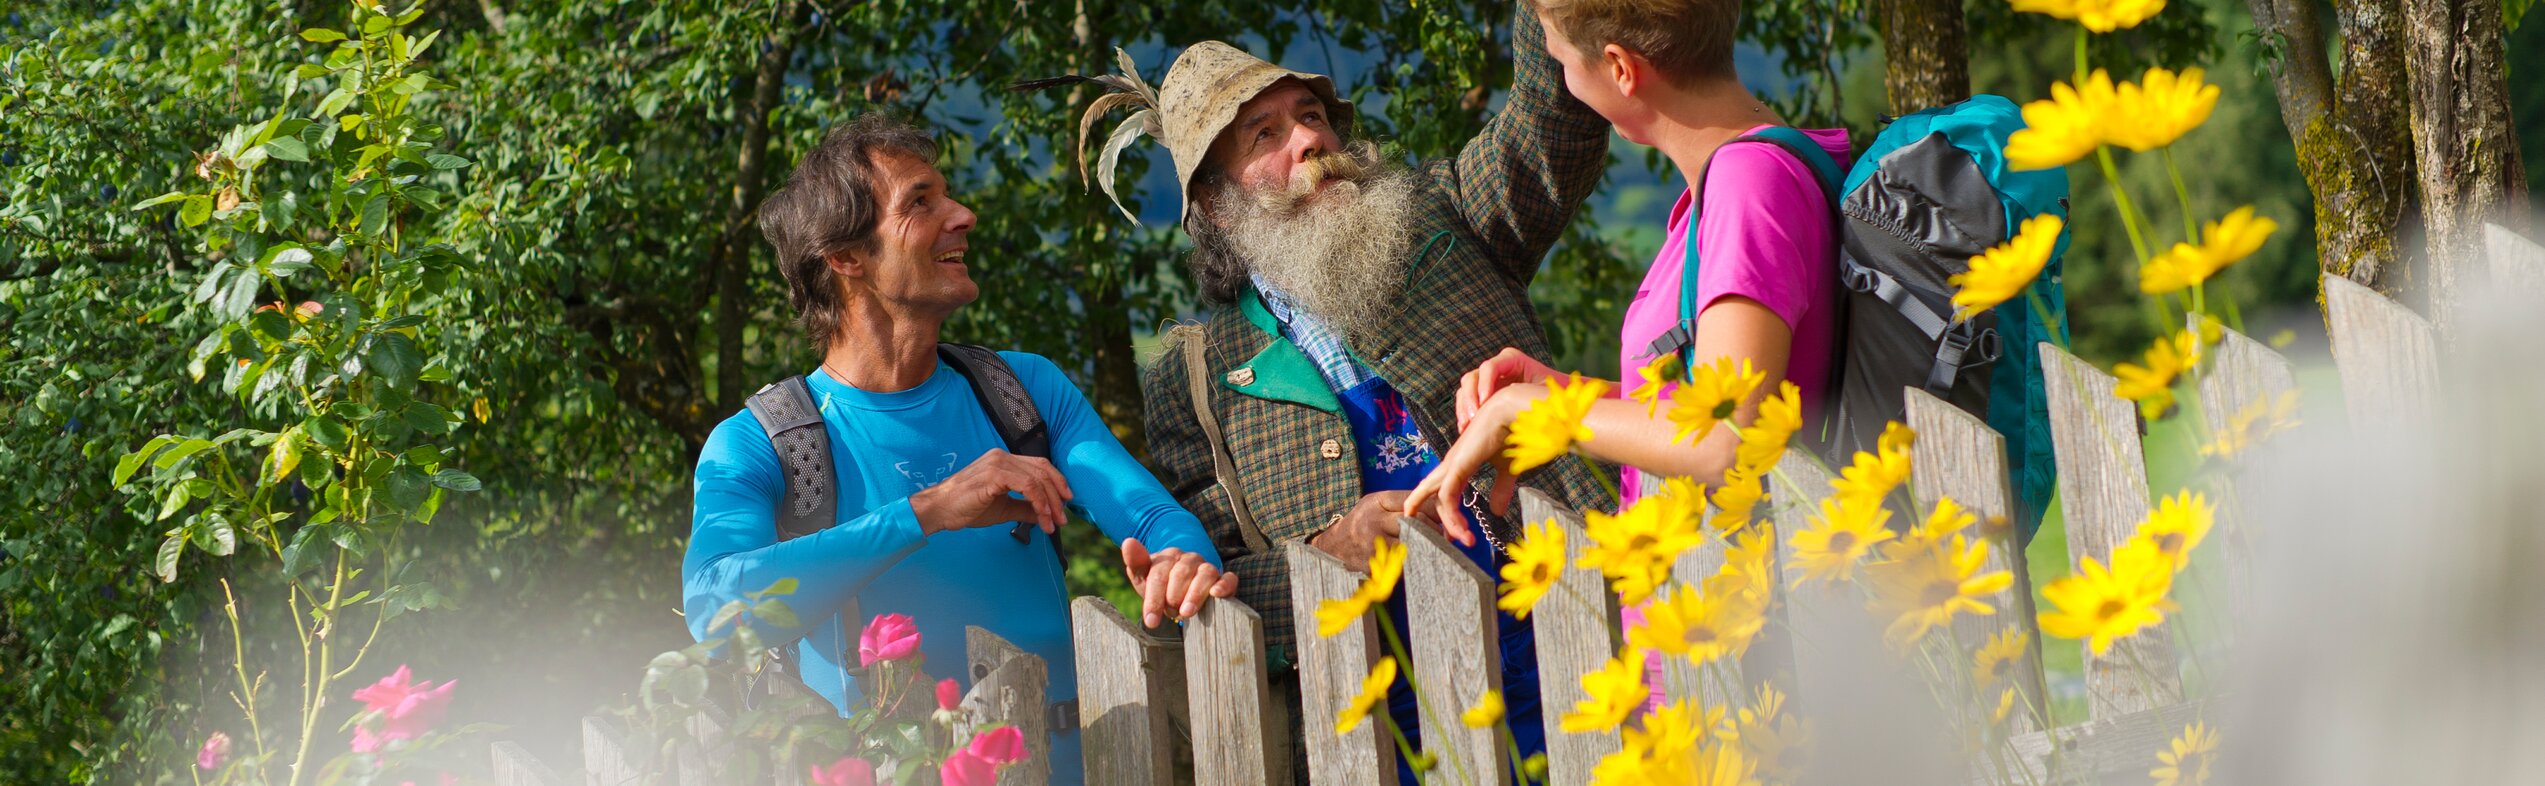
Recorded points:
(1757, 213)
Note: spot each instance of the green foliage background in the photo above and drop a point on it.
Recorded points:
(609, 326)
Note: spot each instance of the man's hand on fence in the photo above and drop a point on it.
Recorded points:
(1173, 580)
(978, 495)
(1350, 539)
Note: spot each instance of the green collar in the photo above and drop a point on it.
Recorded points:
(1281, 372)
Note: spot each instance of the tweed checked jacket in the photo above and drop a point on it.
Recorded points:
(1484, 220)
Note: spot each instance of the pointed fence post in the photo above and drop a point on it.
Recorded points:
(2103, 494)
(1576, 624)
(1330, 673)
(1960, 458)
(2518, 264)
(605, 759)
(2244, 380)
(1127, 684)
(1457, 648)
(2388, 356)
(514, 766)
(1011, 686)
(1240, 735)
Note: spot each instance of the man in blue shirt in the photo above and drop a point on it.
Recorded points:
(873, 248)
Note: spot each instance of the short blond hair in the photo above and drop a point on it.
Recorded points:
(1688, 40)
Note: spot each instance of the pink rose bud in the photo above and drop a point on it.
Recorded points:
(403, 709)
(1003, 745)
(848, 771)
(949, 695)
(216, 750)
(964, 768)
(887, 637)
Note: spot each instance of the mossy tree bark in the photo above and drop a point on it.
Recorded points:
(2353, 143)
(2464, 144)
(1927, 43)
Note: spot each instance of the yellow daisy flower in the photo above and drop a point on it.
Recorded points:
(1373, 691)
(1738, 499)
(1664, 749)
(1699, 626)
(2187, 764)
(1387, 563)
(1656, 375)
(2004, 271)
(2101, 605)
(2177, 525)
(2223, 242)
(1550, 426)
(1486, 712)
(1536, 562)
(1610, 694)
(2005, 707)
(2152, 385)
(1922, 591)
(2158, 109)
(2101, 16)
(1681, 505)
(1774, 740)
(2062, 128)
(2251, 425)
(1995, 661)
(1636, 547)
(1843, 534)
(1710, 397)
(1763, 441)
(1874, 475)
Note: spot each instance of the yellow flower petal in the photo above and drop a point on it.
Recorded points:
(2005, 271)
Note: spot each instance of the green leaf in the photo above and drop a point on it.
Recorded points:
(288, 149)
(456, 480)
(426, 418)
(290, 260)
(321, 35)
(328, 433)
(446, 162)
(395, 358)
(177, 498)
(375, 214)
(169, 551)
(416, 49)
(774, 612)
(180, 452)
(161, 199)
(407, 488)
(284, 458)
(131, 462)
(334, 102)
(195, 211)
(225, 539)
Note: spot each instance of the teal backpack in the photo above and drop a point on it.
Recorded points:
(1932, 191)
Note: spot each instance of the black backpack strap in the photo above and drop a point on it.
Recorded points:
(786, 412)
(1012, 413)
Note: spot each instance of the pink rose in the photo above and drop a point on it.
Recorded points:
(949, 695)
(966, 768)
(216, 750)
(1002, 745)
(848, 771)
(403, 708)
(887, 637)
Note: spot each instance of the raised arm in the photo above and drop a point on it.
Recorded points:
(1520, 180)
(734, 548)
(1118, 494)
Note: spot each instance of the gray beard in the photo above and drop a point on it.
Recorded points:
(1340, 256)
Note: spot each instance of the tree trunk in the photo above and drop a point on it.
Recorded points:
(2350, 135)
(750, 183)
(1927, 45)
(2463, 142)
(1116, 393)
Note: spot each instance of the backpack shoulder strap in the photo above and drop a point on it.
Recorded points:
(1197, 383)
(1681, 339)
(786, 412)
(994, 382)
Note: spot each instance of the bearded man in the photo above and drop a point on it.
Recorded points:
(1349, 293)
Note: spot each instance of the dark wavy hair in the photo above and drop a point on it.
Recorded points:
(830, 206)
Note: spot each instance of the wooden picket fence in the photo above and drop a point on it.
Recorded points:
(1201, 709)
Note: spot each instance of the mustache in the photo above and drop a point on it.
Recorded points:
(1355, 164)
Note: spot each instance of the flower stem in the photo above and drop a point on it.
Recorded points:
(2191, 228)
(2081, 72)
(238, 664)
(2049, 321)
(2121, 198)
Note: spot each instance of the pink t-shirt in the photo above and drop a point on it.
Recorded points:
(1765, 234)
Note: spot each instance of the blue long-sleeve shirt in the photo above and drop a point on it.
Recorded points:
(886, 447)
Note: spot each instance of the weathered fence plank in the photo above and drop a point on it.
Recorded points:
(514, 766)
(2518, 264)
(2109, 750)
(2103, 493)
(605, 754)
(1576, 624)
(1011, 686)
(2388, 356)
(1240, 730)
(1795, 491)
(1958, 457)
(2243, 379)
(1457, 652)
(1330, 672)
(1694, 566)
(1124, 697)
